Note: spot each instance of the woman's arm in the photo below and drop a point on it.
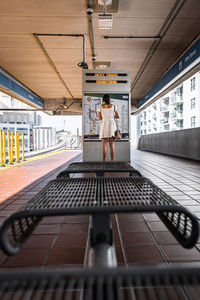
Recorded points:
(117, 115)
(99, 116)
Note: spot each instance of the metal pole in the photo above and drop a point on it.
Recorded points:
(17, 146)
(12, 145)
(1, 147)
(4, 146)
(18, 137)
(23, 158)
(52, 64)
(9, 150)
(105, 8)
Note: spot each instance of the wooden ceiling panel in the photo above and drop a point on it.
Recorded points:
(138, 8)
(65, 56)
(35, 24)
(122, 55)
(131, 26)
(133, 44)
(154, 70)
(185, 27)
(43, 8)
(22, 41)
(169, 42)
(62, 42)
(22, 56)
(191, 10)
(71, 72)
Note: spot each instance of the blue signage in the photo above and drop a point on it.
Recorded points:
(191, 55)
(15, 86)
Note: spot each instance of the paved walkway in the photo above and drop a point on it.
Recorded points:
(140, 239)
(15, 179)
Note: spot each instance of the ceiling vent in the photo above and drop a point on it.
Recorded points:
(105, 21)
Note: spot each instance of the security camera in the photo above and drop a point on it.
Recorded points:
(83, 65)
(89, 11)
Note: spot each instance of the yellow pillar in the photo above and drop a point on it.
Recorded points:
(17, 146)
(4, 146)
(9, 148)
(12, 145)
(23, 158)
(1, 147)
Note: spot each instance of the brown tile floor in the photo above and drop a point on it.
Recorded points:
(140, 239)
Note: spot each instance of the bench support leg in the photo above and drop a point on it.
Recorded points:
(101, 252)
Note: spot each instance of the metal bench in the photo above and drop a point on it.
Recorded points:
(136, 283)
(99, 168)
(99, 197)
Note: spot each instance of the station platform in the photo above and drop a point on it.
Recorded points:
(140, 239)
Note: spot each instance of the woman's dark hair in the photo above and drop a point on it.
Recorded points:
(106, 99)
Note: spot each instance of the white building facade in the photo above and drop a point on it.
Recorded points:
(43, 137)
(178, 109)
(25, 128)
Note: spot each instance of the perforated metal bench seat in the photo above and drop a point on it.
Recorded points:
(98, 195)
(137, 283)
(99, 168)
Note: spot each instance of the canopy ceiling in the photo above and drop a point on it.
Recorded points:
(176, 22)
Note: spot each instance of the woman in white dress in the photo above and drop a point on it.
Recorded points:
(107, 112)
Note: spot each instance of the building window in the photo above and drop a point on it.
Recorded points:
(193, 121)
(192, 84)
(193, 103)
(5, 119)
(181, 92)
(12, 119)
(19, 119)
(25, 120)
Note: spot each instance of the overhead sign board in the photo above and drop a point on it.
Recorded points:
(12, 85)
(109, 81)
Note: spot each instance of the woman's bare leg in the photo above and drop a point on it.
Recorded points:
(104, 148)
(112, 148)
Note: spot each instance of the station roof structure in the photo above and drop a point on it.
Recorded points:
(147, 37)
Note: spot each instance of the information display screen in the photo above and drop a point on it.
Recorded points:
(91, 125)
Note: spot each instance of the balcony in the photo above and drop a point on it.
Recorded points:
(176, 100)
(176, 116)
(165, 127)
(164, 121)
(176, 125)
(164, 108)
(154, 115)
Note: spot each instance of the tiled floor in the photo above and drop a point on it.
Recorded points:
(17, 179)
(140, 239)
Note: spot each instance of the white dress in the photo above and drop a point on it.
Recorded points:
(108, 125)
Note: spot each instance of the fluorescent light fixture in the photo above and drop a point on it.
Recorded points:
(105, 21)
(108, 2)
(102, 64)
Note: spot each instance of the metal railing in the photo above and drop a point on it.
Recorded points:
(11, 150)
